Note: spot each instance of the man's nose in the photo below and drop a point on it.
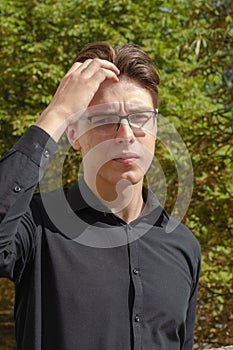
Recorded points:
(124, 133)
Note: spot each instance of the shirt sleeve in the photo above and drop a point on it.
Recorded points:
(20, 171)
(191, 312)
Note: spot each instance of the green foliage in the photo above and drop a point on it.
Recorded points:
(191, 43)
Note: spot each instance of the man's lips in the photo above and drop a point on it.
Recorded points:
(126, 158)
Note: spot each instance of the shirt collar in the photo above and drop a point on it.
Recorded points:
(79, 197)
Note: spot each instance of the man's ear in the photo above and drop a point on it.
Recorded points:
(73, 138)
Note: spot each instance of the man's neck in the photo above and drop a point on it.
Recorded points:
(133, 210)
(124, 199)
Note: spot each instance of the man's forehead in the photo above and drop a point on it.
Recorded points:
(126, 91)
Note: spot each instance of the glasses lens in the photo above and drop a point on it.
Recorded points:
(105, 124)
(142, 120)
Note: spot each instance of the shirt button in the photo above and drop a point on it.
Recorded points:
(46, 153)
(137, 319)
(17, 189)
(136, 271)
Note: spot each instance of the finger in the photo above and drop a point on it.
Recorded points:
(97, 64)
(73, 68)
(103, 74)
(78, 66)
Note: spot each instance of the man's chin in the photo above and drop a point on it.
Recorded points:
(127, 177)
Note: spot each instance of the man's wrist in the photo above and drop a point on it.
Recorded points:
(53, 122)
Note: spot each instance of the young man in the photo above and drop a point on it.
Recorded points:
(93, 266)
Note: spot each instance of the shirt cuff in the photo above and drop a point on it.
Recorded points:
(37, 145)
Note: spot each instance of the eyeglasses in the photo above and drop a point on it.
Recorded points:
(108, 124)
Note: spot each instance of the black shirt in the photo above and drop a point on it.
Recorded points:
(84, 279)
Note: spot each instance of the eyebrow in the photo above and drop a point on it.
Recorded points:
(114, 112)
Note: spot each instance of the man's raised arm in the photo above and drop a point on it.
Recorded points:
(21, 167)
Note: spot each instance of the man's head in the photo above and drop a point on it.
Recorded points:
(118, 150)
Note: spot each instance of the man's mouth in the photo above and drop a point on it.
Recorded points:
(126, 158)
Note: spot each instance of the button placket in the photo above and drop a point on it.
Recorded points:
(137, 284)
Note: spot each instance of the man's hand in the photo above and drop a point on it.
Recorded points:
(75, 92)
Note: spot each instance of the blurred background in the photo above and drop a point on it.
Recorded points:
(191, 44)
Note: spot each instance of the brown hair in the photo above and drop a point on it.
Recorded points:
(129, 59)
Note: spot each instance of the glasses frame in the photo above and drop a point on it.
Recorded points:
(121, 117)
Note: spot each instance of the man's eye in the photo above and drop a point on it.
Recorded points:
(100, 120)
(139, 118)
